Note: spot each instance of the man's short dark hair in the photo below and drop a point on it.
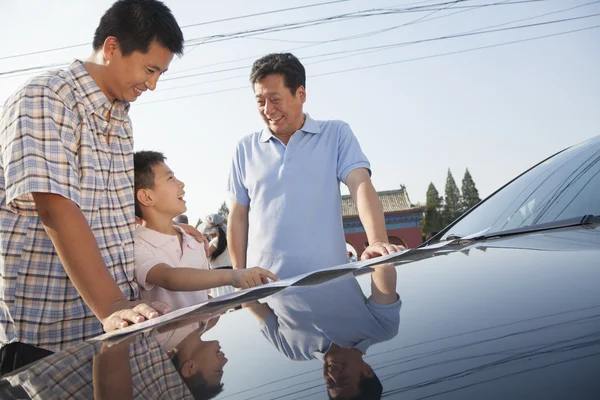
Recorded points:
(136, 23)
(369, 388)
(285, 64)
(143, 162)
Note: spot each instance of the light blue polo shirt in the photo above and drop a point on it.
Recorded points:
(306, 321)
(293, 195)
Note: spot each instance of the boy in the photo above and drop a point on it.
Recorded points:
(170, 266)
(66, 193)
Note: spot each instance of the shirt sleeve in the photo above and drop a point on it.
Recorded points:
(350, 155)
(238, 191)
(38, 149)
(144, 261)
(272, 332)
(388, 317)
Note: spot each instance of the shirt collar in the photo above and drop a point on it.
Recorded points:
(310, 126)
(94, 100)
(188, 240)
(158, 239)
(361, 346)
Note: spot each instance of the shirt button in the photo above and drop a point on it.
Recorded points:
(289, 159)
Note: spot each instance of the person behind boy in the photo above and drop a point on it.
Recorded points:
(66, 188)
(170, 266)
(215, 226)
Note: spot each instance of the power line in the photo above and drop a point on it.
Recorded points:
(343, 38)
(326, 20)
(256, 31)
(458, 52)
(366, 34)
(263, 13)
(392, 62)
(183, 27)
(453, 36)
(284, 27)
(370, 33)
(28, 70)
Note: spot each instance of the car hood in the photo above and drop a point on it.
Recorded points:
(513, 317)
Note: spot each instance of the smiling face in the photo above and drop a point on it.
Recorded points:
(127, 77)
(166, 196)
(204, 358)
(211, 361)
(278, 107)
(342, 371)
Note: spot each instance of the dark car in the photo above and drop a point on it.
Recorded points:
(502, 304)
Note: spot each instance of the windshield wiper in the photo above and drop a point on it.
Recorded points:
(563, 223)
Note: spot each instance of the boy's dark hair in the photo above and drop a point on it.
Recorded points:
(143, 162)
(285, 64)
(196, 384)
(369, 389)
(136, 23)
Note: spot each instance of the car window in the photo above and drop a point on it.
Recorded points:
(564, 186)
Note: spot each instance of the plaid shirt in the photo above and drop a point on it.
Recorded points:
(52, 140)
(69, 374)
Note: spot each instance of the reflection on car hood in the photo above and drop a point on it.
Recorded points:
(515, 317)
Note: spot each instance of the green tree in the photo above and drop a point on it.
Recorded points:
(470, 195)
(452, 200)
(432, 222)
(223, 210)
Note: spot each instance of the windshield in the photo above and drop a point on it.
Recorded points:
(565, 186)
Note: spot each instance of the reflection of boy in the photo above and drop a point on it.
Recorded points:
(170, 265)
(199, 363)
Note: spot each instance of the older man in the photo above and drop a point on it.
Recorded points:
(284, 183)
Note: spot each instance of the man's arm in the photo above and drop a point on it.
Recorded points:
(111, 372)
(237, 234)
(383, 284)
(80, 256)
(370, 212)
(260, 310)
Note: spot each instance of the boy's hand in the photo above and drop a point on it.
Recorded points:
(247, 278)
(133, 312)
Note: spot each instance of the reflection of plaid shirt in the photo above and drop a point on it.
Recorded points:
(52, 141)
(69, 374)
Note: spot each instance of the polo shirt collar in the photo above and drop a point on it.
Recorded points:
(157, 239)
(362, 346)
(310, 126)
(94, 100)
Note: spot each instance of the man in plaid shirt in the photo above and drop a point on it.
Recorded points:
(66, 189)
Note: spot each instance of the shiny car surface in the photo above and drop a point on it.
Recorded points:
(503, 304)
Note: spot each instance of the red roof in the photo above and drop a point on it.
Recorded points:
(392, 201)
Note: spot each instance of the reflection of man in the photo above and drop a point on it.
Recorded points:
(134, 368)
(335, 323)
(286, 213)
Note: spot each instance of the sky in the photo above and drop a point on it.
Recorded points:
(416, 110)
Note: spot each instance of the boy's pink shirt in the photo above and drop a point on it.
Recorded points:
(152, 248)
